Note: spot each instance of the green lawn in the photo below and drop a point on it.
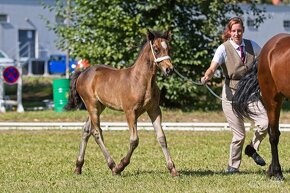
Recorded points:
(43, 161)
(169, 115)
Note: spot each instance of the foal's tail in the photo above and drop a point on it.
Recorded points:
(248, 91)
(74, 99)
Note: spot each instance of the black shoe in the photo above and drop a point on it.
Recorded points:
(258, 159)
(251, 152)
(232, 170)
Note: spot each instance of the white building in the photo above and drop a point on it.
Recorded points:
(22, 29)
(278, 21)
(24, 32)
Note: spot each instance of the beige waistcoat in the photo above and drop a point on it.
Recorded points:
(234, 68)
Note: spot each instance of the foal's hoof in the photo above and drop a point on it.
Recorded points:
(78, 171)
(116, 172)
(174, 172)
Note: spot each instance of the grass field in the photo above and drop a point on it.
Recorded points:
(169, 115)
(110, 115)
(43, 161)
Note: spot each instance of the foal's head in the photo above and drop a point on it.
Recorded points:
(160, 51)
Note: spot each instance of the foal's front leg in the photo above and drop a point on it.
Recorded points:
(134, 141)
(156, 118)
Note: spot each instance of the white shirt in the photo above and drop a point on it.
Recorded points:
(220, 55)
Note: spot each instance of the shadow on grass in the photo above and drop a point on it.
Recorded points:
(194, 173)
(221, 172)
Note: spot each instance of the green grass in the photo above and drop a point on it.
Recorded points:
(43, 161)
(168, 115)
(110, 115)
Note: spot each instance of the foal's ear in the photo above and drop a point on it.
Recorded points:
(168, 35)
(150, 35)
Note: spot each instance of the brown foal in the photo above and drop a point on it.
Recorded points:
(133, 90)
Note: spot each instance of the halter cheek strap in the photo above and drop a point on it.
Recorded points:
(157, 60)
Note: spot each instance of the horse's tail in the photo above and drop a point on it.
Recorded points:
(248, 91)
(74, 99)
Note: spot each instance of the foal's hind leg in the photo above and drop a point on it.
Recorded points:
(96, 131)
(85, 137)
(156, 118)
(134, 141)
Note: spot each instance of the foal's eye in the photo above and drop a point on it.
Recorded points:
(156, 51)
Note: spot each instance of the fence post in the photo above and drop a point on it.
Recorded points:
(20, 108)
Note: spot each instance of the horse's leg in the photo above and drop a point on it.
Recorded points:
(273, 102)
(156, 118)
(134, 141)
(273, 114)
(96, 131)
(85, 137)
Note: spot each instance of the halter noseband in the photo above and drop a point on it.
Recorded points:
(157, 60)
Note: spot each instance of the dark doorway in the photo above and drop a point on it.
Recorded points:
(26, 43)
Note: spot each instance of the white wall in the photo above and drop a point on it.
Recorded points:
(26, 15)
(271, 26)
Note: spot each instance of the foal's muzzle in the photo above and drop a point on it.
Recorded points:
(166, 67)
(169, 71)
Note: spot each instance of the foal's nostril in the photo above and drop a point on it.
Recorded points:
(169, 71)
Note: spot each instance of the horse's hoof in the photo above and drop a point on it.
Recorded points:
(116, 172)
(78, 171)
(278, 177)
(174, 173)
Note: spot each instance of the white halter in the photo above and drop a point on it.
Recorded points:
(157, 60)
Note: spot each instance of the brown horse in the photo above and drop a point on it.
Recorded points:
(274, 83)
(133, 90)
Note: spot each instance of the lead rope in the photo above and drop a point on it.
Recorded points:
(157, 60)
(200, 84)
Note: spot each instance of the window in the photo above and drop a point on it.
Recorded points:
(286, 24)
(3, 18)
(251, 24)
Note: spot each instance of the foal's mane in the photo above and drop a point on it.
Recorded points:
(158, 34)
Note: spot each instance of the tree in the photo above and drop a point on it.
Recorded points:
(111, 32)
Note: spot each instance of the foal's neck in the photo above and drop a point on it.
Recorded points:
(145, 65)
